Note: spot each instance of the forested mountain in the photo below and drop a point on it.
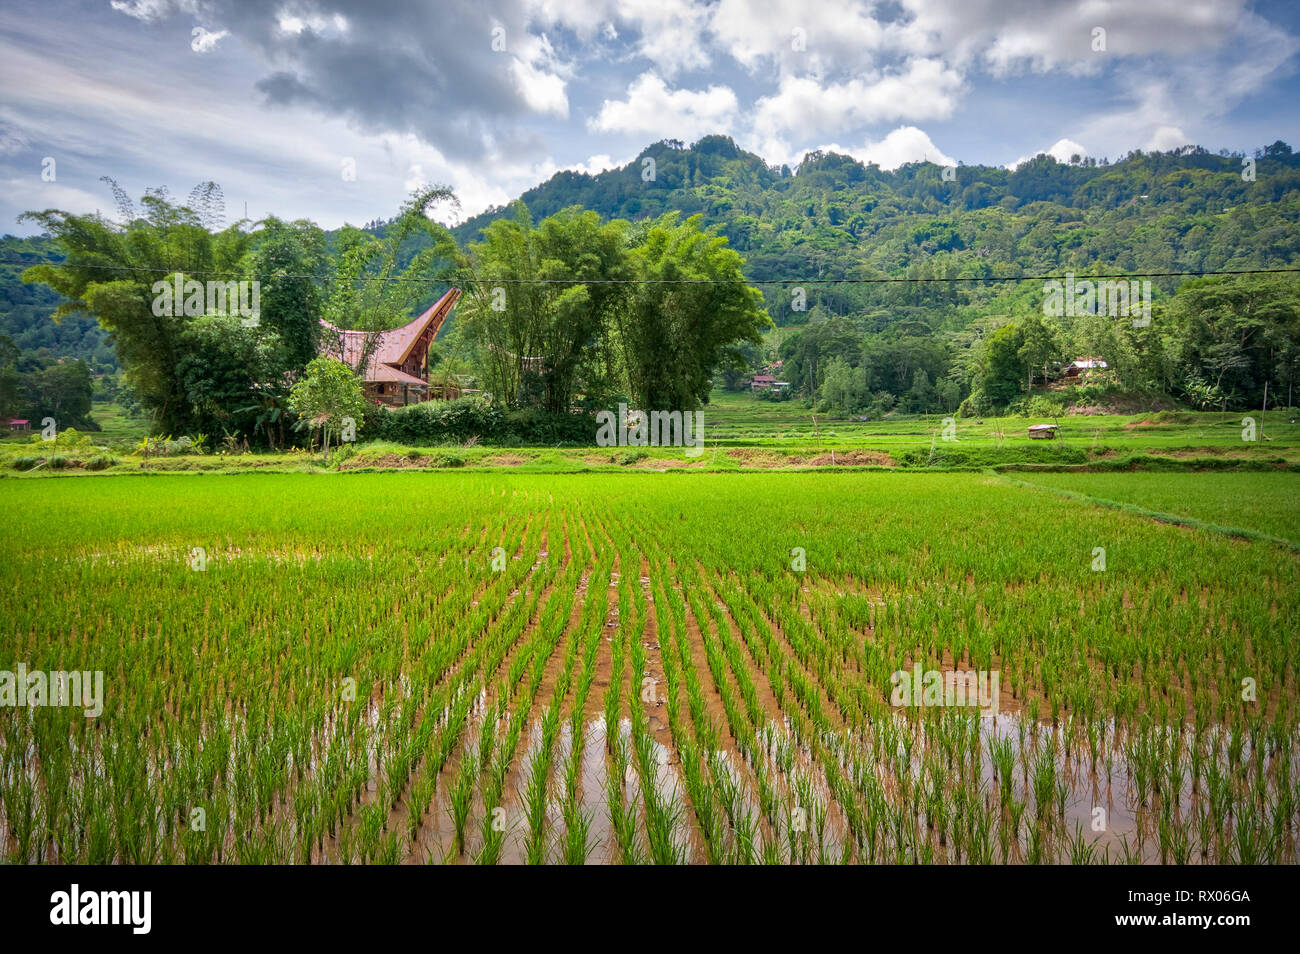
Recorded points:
(875, 347)
(25, 309)
(1187, 210)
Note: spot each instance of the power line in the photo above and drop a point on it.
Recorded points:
(469, 280)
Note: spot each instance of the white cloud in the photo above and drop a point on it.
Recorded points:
(652, 109)
(542, 91)
(295, 19)
(803, 107)
(1061, 151)
(39, 194)
(1007, 36)
(905, 144)
(830, 37)
(205, 41)
(1166, 138)
(415, 178)
(671, 34)
(150, 10)
(596, 164)
(539, 75)
(901, 146)
(12, 139)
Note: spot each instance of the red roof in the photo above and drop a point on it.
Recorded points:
(394, 345)
(386, 372)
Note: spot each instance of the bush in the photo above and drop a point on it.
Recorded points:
(166, 447)
(101, 462)
(445, 422)
(339, 454)
(25, 463)
(58, 462)
(950, 455)
(1039, 405)
(976, 405)
(440, 422)
(529, 426)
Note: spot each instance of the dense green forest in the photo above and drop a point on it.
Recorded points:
(1187, 210)
(25, 309)
(951, 336)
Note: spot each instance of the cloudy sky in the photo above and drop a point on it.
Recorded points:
(334, 109)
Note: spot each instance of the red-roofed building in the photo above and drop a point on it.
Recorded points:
(766, 382)
(398, 371)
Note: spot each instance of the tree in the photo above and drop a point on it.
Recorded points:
(691, 315)
(231, 374)
(62, 390)
(109, 270)
(326, 395)
(1002, 365)
(734, 376)
(283, 262)
(540, 303)
(921, 395)
(10, 382)
(1235, 333)
(806, 353)
(1039, 345)
(844, 388)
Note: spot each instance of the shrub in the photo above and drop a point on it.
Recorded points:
(435, 422)
(534, 426)
(476, 420)
(166, 447)
(1041, 406)
(341, 453)
(950, 455)
(101, 462)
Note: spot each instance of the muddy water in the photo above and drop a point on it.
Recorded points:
(1102, 800)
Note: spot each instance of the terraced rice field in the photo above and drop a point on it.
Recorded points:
(666, 668)
(1266, 503)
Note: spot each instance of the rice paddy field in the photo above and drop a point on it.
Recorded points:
(489, 667)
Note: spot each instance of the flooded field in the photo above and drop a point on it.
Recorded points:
(427, 668)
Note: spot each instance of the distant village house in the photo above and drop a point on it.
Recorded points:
(1079, 367)
(766, 382)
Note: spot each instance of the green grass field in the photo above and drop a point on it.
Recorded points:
(734, 419)
(488, 666)
(1267, 503)
(745, 433)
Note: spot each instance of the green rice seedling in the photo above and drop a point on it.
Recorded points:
(461, 800)
(389, 851)
(1082, 851)
(290, 770)
(746, 837)
(577, 845)
(1044, 782)
(534, 800)
(1129, 854)
(662, 823)
(1034, 851)
(492, 831)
